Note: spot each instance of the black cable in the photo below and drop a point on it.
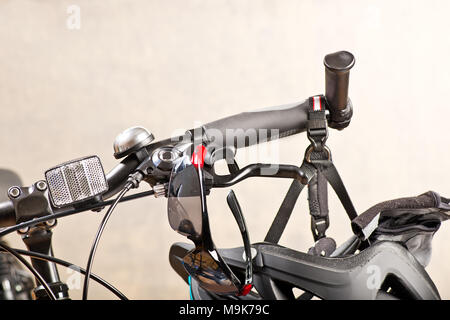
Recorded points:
(35, 221)
(90, 262)
(69, 212)
(32, 270)
(64, 263)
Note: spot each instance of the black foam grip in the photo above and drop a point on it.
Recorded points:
(337, 72)
(249, 128)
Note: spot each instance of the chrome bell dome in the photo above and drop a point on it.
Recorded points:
(131, 140)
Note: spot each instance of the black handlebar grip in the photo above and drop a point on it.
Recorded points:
(337, 72)
(249, 128)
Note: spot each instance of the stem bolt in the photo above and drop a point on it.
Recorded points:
(50, 223)
(41, 185)
(23, 230)
(14, 192)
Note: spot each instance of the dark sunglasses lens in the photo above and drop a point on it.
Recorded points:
(184, 201)
(200, 264)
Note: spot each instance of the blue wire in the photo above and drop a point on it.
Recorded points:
(190, 288)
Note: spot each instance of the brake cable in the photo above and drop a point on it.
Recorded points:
(22, 225)
(38, 276)
(25, 224)
(90, 262)
(72, 266)
(133, 182)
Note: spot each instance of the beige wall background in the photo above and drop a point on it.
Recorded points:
(166, 65)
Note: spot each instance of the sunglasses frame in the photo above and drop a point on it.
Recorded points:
(206, 243)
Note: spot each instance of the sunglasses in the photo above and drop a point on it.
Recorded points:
(188, 216)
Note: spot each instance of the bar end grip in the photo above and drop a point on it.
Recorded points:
(337, 72)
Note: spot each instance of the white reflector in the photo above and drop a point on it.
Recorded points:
(76, 181)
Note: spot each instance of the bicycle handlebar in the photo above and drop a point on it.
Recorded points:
(249, 128)
(118, 176)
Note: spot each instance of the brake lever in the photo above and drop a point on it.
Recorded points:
(233, 167)
(258, 170)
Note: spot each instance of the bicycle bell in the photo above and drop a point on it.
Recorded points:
(131, 140)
